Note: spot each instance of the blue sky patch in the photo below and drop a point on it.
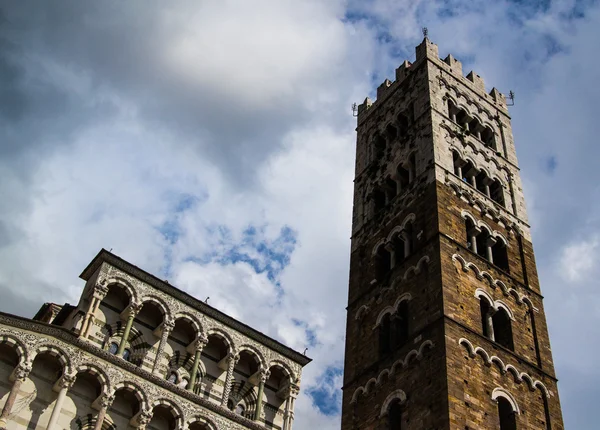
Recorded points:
(327, 396)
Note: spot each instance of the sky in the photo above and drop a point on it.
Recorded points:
(212, 144)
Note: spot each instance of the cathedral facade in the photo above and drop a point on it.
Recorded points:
(138, 353)
(445, 325)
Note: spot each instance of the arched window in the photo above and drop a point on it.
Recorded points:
(471, 231)
(395, 415)
(452, 110)
(506, 414)
(401, 321)
(483, 183)
(484, 242)
(240, 410)
(403, 123)
(458, 164)
(488, 137)
(391, 189)
(403, 178)
(391, 133)
(503, 329)
(487, 312)
(500, 255)
(385, 334)
(127, 354)
(379, 145)
(383, 262)
(172, 378)
(113, 348)
(497, 193)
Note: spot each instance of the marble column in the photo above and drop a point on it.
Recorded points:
(168, 326)
(489, 320)
(232, 360)
(133, 311)
(100, 291)
(200, 344)
(20, 374)
(64, 384)
(488, 249)
(105, 403)
(264, 375)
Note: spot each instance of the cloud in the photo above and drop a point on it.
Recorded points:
(212, 144)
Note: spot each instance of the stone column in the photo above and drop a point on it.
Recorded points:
(64, 384)
(473, 238)
(20, 374)
(488, 249)
(264, 375)
(100, 291)
(200, 344)
(133, 311)
(473, 180)
(294, 390)
(105, 403)
(390, 248)
(144, 419)
(168, 325)
(459, 171)
(453, 116)
(232, 360)
(489, 320)
(286, 413)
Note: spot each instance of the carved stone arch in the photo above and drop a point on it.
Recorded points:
(406, 297)
(357, 392)
(125, 284)
(59, 353)
(202, 420)
(501, 392)
(95, 370)
(410, 218)
(483, 226)
(18, 346)
(231, 346)
(480, 293)
(136, 343)
(262, 361)
(286, 368)
(499, 236)
(361, 312)
(377, 246)
(499, 304)
(178, 412)
(540, 385)
(398, 394)
(387, 310)
(138, 392)
(158, 301)
(466, 215)
(196, 323)
(450, 97)
(395, 231)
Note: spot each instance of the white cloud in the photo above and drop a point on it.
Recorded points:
(579, 259)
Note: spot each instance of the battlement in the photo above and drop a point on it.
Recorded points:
(428, 50)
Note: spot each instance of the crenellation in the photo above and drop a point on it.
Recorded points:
(477, 81)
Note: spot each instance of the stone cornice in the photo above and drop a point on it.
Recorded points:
(105, 256)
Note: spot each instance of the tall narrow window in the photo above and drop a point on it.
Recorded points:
(395, 416)
(488, 137)
(401, 325)
(497, 193)
(385, 331)
(503, 329)
(506, 414)
(383, 262)
(500, 255)
(486, 318)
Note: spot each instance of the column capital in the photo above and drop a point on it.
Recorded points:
(233, 358)
(100, 290)
(144, 418)
(134, 309)
(106, 400)
(264, 375)
(200, 343)
(21, 372)
(168, 324)
(65, 381)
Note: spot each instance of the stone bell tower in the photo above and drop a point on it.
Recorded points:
(446, 326)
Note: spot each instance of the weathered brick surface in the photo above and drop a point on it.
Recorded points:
(451, 383)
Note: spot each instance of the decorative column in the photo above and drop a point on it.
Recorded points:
(200, 344)
(144, 419)
(488, 249)
(133, 311)
(473, 232)
(287, 424)
(100, 291)
(264, 375)
(390, 248)
(286, 413)
(105, 402)
(168, 325)
(63, 384)
(231, 360)
(20, 374)
(489, 320)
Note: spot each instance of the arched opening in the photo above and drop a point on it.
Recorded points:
(383, 262)
(400, 246)
(391, 189)
(247, 365)
(497, 192)
(403, 178)
(482, 180)
(111, 307)
(506, 414)
(401, 325)
(163, 418)
(475, 128)
(484, 240)
(197, 425)
(469, 174)
(9, 359)
(385, 335)
(452, 110)
(391, 133)
(503, 329)
(45, 372)
(379, 199)
(463, 119)
(86, 389)
(472, 231)
(214, 360)
(458, 164)
(488, 137)
(486, 311)
(395, 415)
(403, 124)
(379, 146)
(147, 321)
(500, 255)
(179, 342)
(275, 395)
(123, 408)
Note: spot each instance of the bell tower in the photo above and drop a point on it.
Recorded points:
(445, 326)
